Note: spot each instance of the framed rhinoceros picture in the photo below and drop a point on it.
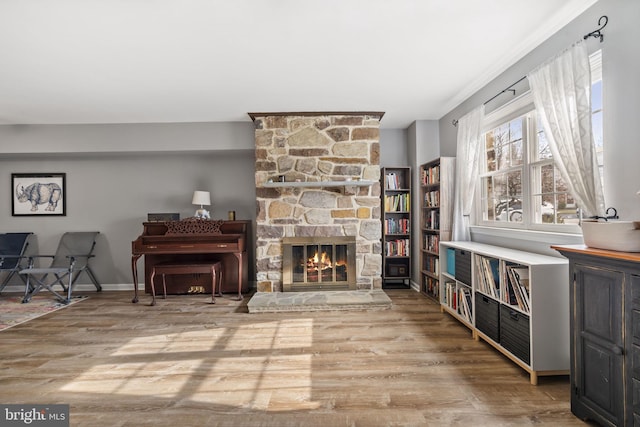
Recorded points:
(38, 194)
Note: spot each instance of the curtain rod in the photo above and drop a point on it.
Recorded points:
(507, 89)
(595, 33)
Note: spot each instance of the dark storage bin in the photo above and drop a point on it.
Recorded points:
(488, 316)
(636, 396)
(463, 266)
(514, 333)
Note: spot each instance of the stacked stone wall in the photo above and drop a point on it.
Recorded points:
(313, 149)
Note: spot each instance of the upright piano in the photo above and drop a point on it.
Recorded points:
(193, 240)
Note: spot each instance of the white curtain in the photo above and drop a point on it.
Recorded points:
(468, 159)
(561, 90)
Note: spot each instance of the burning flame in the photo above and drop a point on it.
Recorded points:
(321, 262)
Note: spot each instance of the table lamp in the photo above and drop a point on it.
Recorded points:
(201, 198)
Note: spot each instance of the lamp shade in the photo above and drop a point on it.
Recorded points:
(201, 198)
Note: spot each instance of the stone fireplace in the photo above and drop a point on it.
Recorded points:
(317, 176)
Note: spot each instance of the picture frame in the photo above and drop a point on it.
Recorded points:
(38, 194)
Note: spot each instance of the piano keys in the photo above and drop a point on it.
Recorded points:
(193, 240)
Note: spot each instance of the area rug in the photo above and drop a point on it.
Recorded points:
(13, 312)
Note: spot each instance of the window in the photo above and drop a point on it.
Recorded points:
(550, 198)
(519, 185)
(502, 181)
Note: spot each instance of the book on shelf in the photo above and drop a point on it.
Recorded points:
(432, 220)
(518, 284)
(464, 294)
(396, 226)
(451, 298)
(506, 289)
(398, 247)
(433, 287)
(432, 243)
(468, 299)
(431, 175)
(489, 275)
(480, 279)
(522, 275)
(397, 202)
(432, 199)
(392, 181)
(432, 265)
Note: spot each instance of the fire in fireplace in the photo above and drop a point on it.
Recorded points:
(318, 263)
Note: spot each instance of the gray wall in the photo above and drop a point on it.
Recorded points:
(418, 144)
(621, 93)
(423, 146)
(393, 147)
(126, 138)
(116, 174)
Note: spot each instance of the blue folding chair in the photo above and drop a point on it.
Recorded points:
(75, 249)
(13, 247)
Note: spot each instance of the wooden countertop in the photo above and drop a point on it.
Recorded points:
(586, 250)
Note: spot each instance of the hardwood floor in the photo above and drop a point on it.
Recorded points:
(189, 363)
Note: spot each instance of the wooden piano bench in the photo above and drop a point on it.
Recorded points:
(213, 268)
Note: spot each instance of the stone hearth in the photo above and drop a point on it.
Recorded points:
(313, 148)
(274, 302)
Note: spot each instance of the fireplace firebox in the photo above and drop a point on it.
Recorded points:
(318, 263)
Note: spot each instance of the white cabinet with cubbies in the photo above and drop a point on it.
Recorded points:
(518, 302)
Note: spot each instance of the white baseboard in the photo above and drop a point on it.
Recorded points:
(84, 287)
(88, 287)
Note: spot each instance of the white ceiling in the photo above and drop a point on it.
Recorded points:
(146, 61)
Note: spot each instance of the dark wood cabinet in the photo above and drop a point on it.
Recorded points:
(195, 241)
(605, 334)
